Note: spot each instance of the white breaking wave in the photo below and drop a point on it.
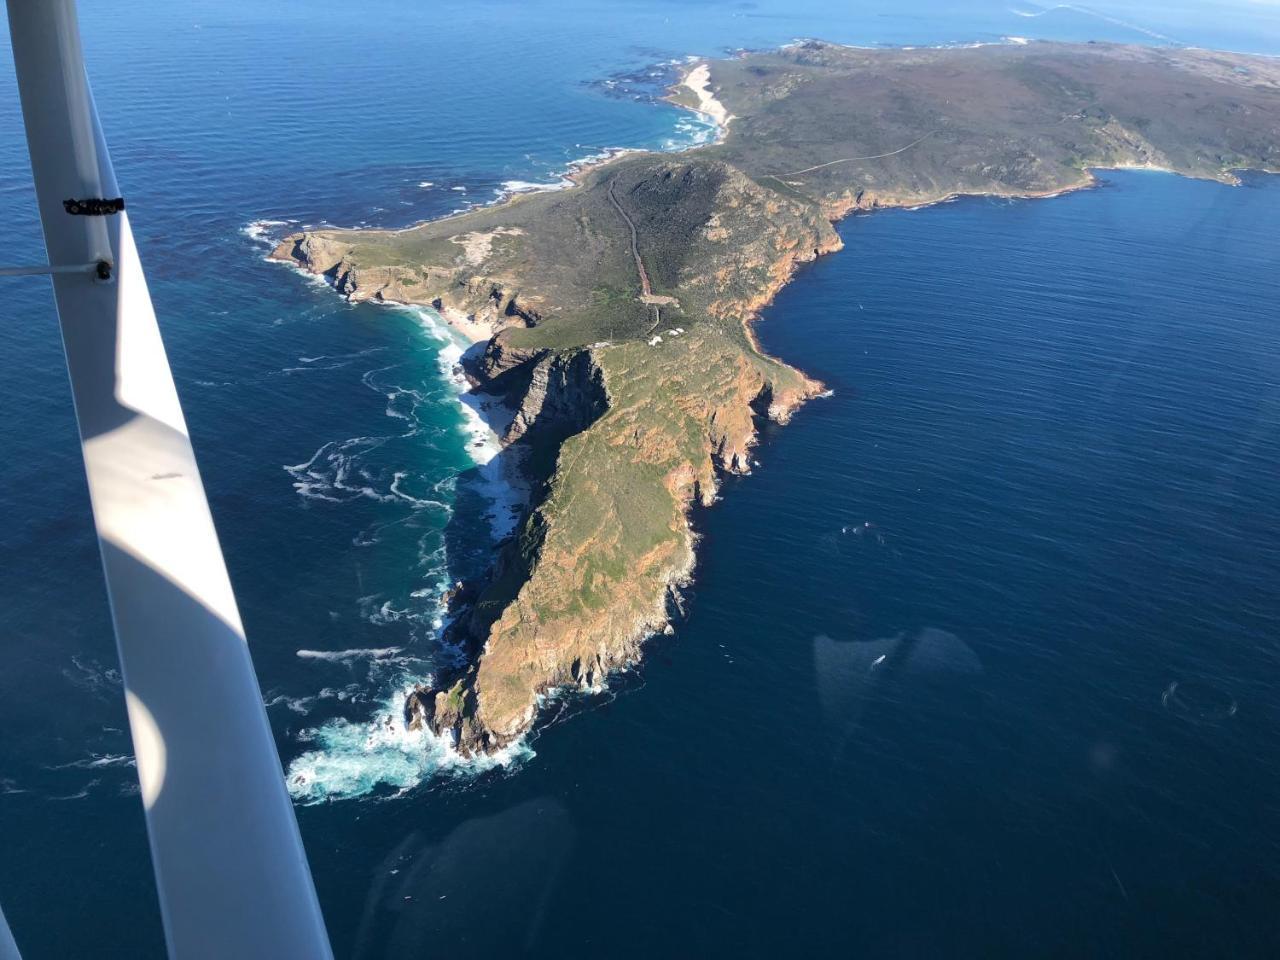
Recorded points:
(483, 442)
(351, 760)
(80, 794)
(259, 230)
(528, 186)
(386, 612)
(691, 130)
(564, 179)
(337, 472)
(337, 360)
(399, 478)
(501, 486)
(93, 677)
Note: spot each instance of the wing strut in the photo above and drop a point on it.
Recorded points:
(229, 864)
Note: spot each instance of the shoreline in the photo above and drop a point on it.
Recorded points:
(569, 176)
(485, 423)
(573, 171)
(833, 205)
(484, 420)
(818, 389)
(698, 81)
(711, 110)
(394, 757)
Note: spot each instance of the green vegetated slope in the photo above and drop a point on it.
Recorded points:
(1008, 119)
(627, 406)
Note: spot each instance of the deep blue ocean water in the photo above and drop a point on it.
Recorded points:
(982, 660)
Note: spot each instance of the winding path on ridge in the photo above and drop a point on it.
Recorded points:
(832, 163)
(645, 290)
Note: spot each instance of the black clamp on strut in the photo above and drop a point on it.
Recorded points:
(93, 207)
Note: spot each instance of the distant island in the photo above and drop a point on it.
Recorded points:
(614, 317)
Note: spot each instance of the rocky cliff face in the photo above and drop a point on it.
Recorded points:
(554, 394)
(618, 438)
(617, 313)
(487, 303)
(640, 436)
(594, 568)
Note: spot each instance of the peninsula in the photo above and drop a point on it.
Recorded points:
(614, 316)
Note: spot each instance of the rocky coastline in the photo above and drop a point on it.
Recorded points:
(623, 420)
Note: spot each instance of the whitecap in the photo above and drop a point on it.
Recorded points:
(81, 793)
(95, 761)
(93, 677)
(348, 656)
(395, 488)
(299, 705)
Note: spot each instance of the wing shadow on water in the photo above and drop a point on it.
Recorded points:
(482, 890)
(857, 678)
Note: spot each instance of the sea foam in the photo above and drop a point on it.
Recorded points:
(482, 418)
(353, 759)
(348, 758)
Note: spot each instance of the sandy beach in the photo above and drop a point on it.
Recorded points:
(469, 329)
(698, 80)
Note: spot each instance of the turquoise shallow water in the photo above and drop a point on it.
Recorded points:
(982, 660)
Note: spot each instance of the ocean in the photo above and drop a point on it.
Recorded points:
(981, 660)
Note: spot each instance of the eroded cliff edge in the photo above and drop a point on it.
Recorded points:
(617, 312)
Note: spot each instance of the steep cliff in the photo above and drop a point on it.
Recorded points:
(617, 313)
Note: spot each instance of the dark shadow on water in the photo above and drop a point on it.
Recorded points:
(427, 896)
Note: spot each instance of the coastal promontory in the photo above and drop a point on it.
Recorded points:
(614, 317)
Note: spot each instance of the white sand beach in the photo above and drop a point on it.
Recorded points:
(698, 80)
